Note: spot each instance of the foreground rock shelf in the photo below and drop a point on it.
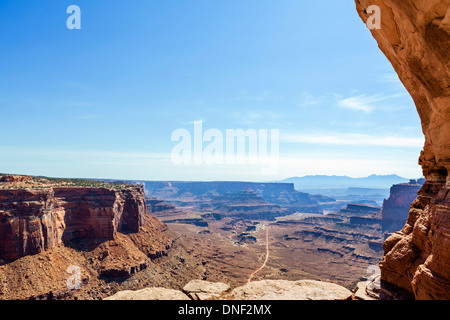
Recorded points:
(255, 290)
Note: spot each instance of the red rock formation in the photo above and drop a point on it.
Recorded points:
(396, 208)
(158, 206)
(15, 178)
(361, 210)
(33, 220)
(415, 37)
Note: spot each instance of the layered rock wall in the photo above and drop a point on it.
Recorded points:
(361, 210)
(33, 220)
(415, 37)
(396, 208)
(161, 189)
(182, 193)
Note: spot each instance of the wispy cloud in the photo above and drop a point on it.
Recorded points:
(254, 97)
(391, 78)
(359, 103)
(354, 139)
(308, 99)
(252, 118)
(366, 103)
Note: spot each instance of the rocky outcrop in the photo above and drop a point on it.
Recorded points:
(205, 290)
(33, 220)
(396, 208)
(289, 290)
(149, 294)
(416, 263)
(15, 178)
(359, 210)
(156, 206)
(255, 290)
(368, 290)
(415, 37)
(199, 222)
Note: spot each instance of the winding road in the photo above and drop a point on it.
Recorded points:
(267, 256)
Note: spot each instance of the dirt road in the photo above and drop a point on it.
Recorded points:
(267, 255)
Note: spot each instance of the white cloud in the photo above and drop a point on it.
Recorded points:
(359, 103)
(366, 103)
(390, 78)
(251, 118)
(307, 99)
(354, 139)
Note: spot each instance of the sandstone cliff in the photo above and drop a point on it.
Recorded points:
(50, 226)
(33, 220)
(396, 208)
(415, 37)
(359, 210)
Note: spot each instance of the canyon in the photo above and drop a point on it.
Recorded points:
(127, 239)
(223, 232)
(123, 239)
(49, 227)
(161, 235)
(415, 38)
(304, 243)
(199, 195)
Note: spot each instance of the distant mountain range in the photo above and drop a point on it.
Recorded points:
(331, 182)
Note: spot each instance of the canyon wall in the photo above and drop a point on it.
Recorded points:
(415, 37)
(33, 220)
(396, 208)
(185, 193)
(215, 187)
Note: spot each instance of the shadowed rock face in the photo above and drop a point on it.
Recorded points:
(35, 220)
(415, 37)
(396, 208)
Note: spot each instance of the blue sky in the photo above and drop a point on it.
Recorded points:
(103, 101)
